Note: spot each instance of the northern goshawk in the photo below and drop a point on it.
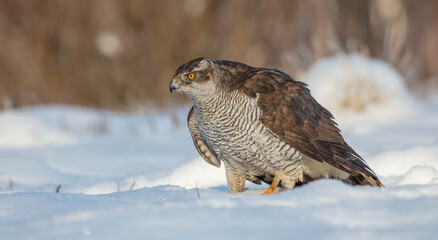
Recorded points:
(265, 127)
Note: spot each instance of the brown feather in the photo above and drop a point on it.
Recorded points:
(293, 115)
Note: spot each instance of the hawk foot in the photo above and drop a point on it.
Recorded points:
(274, 184)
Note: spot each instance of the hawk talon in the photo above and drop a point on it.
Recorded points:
(274, 184)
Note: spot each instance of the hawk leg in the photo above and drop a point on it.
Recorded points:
(278, 176)
(235, 181)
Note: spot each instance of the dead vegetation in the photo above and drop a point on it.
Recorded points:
(121, 54)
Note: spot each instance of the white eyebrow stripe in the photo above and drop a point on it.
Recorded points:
(201, 66)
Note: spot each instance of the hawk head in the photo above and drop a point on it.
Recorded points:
(201, 78)
(192, 76)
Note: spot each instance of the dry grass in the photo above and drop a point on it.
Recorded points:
(58, 188)
(121, 54)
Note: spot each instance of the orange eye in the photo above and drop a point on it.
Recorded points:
(191, 76)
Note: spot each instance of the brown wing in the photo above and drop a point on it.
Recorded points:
(292, 114)
(203, 150)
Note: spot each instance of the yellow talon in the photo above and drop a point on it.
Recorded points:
(274, 184)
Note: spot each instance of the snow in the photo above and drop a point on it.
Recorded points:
(355, 87)
(137, 176)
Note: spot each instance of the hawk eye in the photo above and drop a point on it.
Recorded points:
(191, 75)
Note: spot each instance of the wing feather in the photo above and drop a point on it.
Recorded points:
(292, 114)
(203, 149)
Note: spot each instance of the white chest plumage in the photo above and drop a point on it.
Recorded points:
(237, 136)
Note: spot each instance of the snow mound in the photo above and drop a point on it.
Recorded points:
(356, 87)
(420, 175)
(193, 174)
(21, 130)
(410, 163)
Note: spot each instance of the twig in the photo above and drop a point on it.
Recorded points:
(11, 184)
(197, 191)
(132, 186)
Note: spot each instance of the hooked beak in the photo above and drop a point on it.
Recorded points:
(173, 85)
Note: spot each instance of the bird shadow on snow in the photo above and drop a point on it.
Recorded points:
(221, 188)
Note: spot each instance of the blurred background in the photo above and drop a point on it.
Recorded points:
(121, 55)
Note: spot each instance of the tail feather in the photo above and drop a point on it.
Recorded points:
(360, 178)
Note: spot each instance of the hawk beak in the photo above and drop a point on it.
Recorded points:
(173, 85)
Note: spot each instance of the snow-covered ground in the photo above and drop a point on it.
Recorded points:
(134, 176)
